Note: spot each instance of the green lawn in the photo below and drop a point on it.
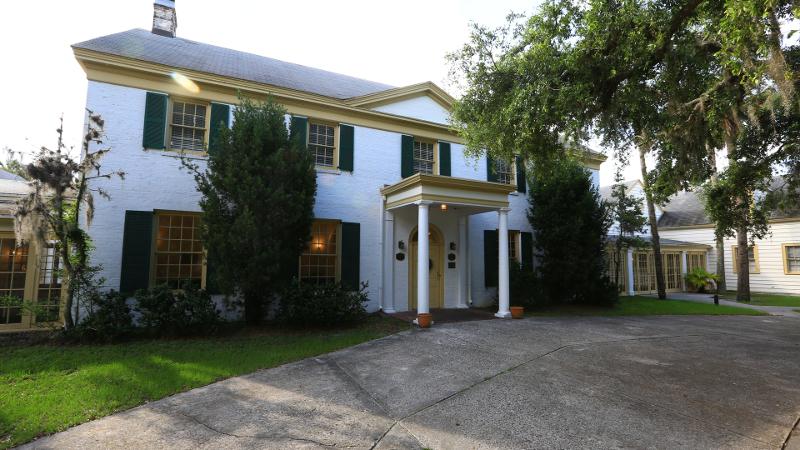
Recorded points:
(767, 299)
(647, 306)
(44, 389)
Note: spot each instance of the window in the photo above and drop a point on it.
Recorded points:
(322, 144)
(505, 171)
(178, 251)
(752, 256)
(320, 260)
(48, 300)
(695, 260)
(188, 126)
(424, 161)
(13, 268)
(514, 246)
(791, 259)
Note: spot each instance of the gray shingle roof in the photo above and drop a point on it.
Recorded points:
(185, 54)
(686, 209)
(663, 242)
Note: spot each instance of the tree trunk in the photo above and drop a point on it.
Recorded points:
(656, 240)
(742, 266)
(720, 242)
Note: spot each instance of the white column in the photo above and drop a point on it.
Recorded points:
(502, 279)
(629, 259)
(684, 270)
(422, 259)
(461, 262)
(388, 262)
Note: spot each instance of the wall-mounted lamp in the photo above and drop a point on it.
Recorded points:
(443, 207)
(453, 246)
(401, 245)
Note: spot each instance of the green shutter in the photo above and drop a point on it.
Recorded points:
(444, 158)
(211, 277)
(521, 181)
(491, 175)
(527, 249)
(490, 258)
(351, 255)
(155, 121)
(136, 244)
(407, 156)
(220, 117)
(346, 147)
(298, 130)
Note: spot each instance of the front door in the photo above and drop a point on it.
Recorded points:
(435, 270)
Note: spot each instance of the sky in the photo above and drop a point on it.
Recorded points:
(367, 39)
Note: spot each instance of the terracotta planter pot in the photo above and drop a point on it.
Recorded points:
(424, 320)
(517, 312)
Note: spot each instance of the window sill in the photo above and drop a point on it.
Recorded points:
(327, 170)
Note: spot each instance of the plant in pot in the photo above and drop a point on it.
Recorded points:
(424, 320)
(517, 312)
(699, 279)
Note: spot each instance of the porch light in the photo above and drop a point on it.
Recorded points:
(443, 207)
(185, 82)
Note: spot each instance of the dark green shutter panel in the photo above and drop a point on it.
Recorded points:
(351, 255)
(346, 147)
(444, 158)
(521, 181)
(155, 121)
(407, 156)
(490, 258)
(490, 173)
(211, 277)
(136, 243)
(220, 117)
(298, 130)
(527, 249)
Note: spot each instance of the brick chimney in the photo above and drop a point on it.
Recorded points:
(165, 21)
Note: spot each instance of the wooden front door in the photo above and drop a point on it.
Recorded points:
(435, 270)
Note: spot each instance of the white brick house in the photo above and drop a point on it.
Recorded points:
(388, 163)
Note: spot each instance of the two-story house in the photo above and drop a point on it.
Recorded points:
(388, 164)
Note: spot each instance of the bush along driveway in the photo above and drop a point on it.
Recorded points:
(47, 388)
(564, 382)
(648, 306)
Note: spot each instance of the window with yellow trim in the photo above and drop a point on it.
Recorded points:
(188, 126)
(424, 157)
(514, 245)
(178, 250)
(752, 256)
(791, 259)
(48, 300)
(695, 260)
(319, 262)
(322, 144)
(13, 271)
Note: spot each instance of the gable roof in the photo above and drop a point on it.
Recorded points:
(392, 95)
(182, 53)
(607, 190)
(686, 209)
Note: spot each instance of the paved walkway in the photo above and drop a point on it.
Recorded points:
(598, 382)
(788, 311)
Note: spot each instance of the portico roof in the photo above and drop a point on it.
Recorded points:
(447, 190)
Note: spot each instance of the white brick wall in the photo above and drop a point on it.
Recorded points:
(155, 180)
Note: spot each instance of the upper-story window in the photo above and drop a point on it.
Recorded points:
(322, 144)
(424, 160)
(188, 126)
(504, 171)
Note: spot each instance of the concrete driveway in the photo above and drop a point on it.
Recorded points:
(655, 382)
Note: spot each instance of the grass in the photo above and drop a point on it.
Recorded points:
(767, 299)
(48, 388)
(646, 306)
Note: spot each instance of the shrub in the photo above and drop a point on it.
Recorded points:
(524, 286)
(166, 311)
(108, 318)
(307, 304)
(699, 278)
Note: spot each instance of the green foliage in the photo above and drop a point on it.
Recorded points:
(626, 212)
(699, 278)
(108, 319)
(308, 304)
(570, 222)
(648, 306)
(169, 312)
(524, 286)
(257, 205)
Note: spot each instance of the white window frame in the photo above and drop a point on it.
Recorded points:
(335, 126)
(171, 125)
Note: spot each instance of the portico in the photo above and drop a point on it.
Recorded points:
(438, 260)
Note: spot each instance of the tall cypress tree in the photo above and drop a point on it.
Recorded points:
(258, 206)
